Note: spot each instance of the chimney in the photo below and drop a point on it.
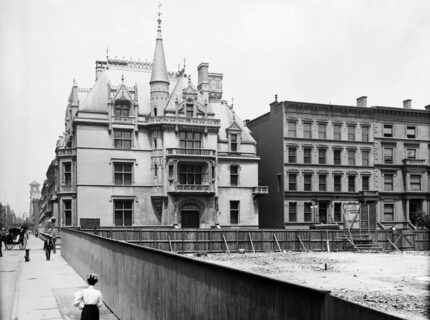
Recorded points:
(407, 104)
(100, 66)
(362, 102)
(202, 82)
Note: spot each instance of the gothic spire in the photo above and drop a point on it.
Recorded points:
(159, 70)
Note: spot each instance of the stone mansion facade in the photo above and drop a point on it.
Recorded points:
(147, 147)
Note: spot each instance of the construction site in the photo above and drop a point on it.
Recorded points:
(394, 282)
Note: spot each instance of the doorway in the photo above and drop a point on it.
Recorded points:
(190, 216)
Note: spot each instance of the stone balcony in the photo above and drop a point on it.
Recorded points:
(66, 152)
(191, 188)
(66, 189)
(198, 153)
(260, 190)
(127, 120)
(183, 121)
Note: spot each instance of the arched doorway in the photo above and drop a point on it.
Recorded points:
(190, 216)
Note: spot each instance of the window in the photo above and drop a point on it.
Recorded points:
(170, 171)
(123, 212)
(292, 154)
(365, 183)
(411, 153)
(337, 211)
(337, 131)
(190, 140)
(292, 129)
(279, 180)
(364, 133)
(337, 183)
(410, 132)
(307, 182)
(388, 130)
(337, 156)
(292, 212)
(67, 173)
(190, 110)
(121, 111)
(308, 212)
(365, 158)
(351, 157)
(351, 183)
(389, 212)
(123, 173)
(388, 155)
(234, 175)
(388, 182)
(122, 139)
(322, 182)
(155, 143)
(67, 208)
(307, 155)
(321, 156)
(321, 131)
(190, 174)
(155, 111)
(234, 212)
(155, 170)
(233, 142)
(415, 182)
(292, 181)
(351, 132)
(307, 130)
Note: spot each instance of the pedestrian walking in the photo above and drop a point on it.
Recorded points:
(1, 243)
(47, 246)
(54, 239)
(89, 299)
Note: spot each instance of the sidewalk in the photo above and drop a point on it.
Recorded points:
(45, 288)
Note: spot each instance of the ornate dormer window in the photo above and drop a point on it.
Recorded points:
(122, 109)
(233, 142)
(189, 110)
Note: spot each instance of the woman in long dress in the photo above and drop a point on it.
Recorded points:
(89, 299)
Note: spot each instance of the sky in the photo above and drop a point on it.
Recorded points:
(323, 51)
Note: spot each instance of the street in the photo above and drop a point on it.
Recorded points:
(9, 265)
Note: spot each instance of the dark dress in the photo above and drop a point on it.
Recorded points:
(90, 312)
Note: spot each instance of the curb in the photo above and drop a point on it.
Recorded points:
(15, 314)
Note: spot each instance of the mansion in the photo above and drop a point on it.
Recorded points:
(147, 147)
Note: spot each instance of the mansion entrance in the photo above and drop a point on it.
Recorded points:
(190, 216)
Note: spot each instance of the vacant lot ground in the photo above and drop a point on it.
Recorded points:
(397, 283)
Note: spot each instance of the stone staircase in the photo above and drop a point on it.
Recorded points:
(363, 242)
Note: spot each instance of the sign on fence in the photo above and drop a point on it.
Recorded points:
(351, 215)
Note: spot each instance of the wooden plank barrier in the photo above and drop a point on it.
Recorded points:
(262, 240)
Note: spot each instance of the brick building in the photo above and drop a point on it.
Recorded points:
(321, 159)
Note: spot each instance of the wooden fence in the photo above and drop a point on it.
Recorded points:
(259, 240)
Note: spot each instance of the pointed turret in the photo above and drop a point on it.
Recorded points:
(159, 79)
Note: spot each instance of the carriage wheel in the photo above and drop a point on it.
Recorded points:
(23, 243)
(8, 246)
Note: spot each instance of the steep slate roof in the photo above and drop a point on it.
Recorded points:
(97, 98)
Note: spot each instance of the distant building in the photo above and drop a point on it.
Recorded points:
(34, 210)
(319, 158)
(145, 146)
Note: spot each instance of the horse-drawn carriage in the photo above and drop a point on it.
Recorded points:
(15, 236)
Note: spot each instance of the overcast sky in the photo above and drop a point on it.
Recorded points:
(314, 51)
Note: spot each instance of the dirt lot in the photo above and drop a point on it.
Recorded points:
(397, 283)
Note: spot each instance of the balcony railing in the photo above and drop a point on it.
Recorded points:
(192, 188)
(190, 152)
(260, 190)
(66, 152)
(184, 120)
(116, 119)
